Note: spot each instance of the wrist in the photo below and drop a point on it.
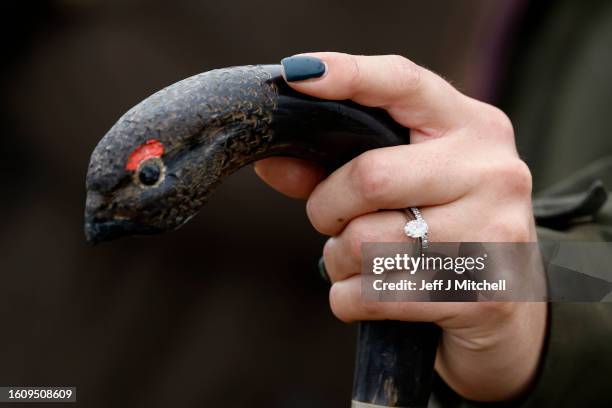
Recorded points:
(496, 364)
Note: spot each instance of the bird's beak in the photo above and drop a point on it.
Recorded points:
(98, 230)
(102, 225)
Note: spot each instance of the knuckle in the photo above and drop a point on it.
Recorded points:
(520, 180)
(407, 73)
(355, 234)
(499, 124)
(513, 177)
(509, 230)
(353, 71)
(520, 233)
(370, 177)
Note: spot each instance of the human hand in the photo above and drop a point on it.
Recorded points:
(463, 171)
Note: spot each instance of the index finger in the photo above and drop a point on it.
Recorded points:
(414, 96)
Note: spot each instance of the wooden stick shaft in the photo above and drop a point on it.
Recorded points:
(394, 364)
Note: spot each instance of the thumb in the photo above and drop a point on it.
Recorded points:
(295, 178)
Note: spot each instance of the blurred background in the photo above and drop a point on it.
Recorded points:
(230, 309)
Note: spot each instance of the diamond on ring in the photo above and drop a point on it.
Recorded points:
(416, 228)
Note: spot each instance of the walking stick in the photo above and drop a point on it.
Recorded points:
(159, 163)
(394, 364)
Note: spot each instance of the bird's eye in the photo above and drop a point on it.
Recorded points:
(150, 172)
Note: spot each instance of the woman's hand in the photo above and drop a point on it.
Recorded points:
(463, 171)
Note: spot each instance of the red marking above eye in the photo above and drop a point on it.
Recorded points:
(149, 149)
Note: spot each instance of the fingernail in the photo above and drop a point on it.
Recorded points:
(302, 67)
(323, 270)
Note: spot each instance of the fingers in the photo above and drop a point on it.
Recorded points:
(343, 263)
(342, 253)
(414, 96)
(293, 177)
(348, 305)
(389, 178)
(453, 222)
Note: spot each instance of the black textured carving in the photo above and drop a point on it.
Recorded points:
(211, 125)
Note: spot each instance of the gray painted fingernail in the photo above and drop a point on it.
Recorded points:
(302, 67)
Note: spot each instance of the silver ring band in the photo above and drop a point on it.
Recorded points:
(417, 228)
